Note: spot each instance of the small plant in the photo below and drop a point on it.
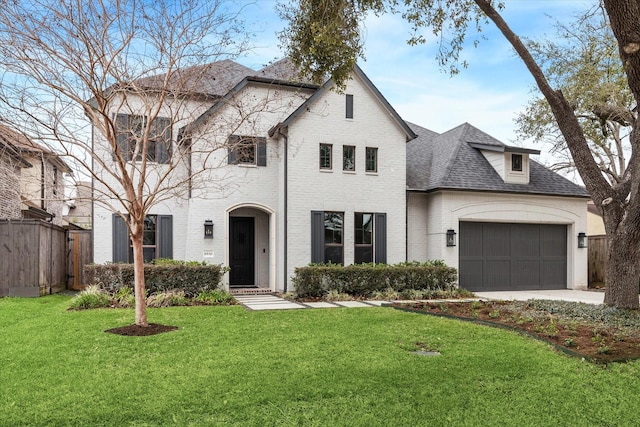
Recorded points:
(215, 297)
(91, 297)
(388, 294)
(604, 349)
(494, 314)
(569, 342)
(476, 305)
(123, 297)
(335, 295)
(167, 299)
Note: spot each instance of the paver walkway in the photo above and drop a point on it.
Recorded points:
(272, 302)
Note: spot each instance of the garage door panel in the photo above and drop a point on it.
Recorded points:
(504, 256)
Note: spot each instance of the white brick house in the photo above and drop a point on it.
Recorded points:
(302, 174)
(295, 173)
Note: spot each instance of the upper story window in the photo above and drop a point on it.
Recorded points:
(371, 159)
(349, 158)
(516, 162)
(349, 106)
(131, 130)
(55, 181)
(247, 150)
(326, 154)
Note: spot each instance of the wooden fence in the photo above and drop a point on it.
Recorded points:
(34, 258)
(597, 247)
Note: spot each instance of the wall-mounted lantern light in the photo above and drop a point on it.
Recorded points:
(208, 229)
(451, 237)
(582, 240)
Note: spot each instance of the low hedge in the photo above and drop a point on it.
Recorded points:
(316, 280)
(190, 277)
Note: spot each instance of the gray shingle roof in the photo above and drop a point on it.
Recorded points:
(213, 79)
(448, 161)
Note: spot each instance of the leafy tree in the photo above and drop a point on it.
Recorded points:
(583, 62)
(323, 37)
(66, 61)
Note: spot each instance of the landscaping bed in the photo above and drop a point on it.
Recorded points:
(594, 332)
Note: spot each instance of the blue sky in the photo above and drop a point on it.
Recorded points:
(488, 94)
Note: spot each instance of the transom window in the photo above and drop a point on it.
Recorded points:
(371, 159)
(326, 151)
(131, 133)
(364, 238)
(333, 241)
(349, 158)
(516, 162)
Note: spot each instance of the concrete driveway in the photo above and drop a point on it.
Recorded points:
(589, 297)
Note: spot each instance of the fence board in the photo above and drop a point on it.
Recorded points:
(597, 247)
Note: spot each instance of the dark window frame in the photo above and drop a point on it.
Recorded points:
(517, 165)
(364, 237)
(351, 149)
(337, 240)
(371, 159)
(247, 150)
(349, 106)
(326, 161)
(160, 136)
(160, 238)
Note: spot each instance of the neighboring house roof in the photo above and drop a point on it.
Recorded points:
(453, 161)
(26, 147)
(327, 86)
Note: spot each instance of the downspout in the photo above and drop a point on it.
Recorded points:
(286, 206)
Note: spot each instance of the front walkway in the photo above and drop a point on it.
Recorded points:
(272, 302)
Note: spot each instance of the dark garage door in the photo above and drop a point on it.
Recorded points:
(500, 257)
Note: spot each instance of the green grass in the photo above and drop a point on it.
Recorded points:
(323, 367)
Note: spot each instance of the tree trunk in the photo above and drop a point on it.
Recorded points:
(622, 277)
(138, 274)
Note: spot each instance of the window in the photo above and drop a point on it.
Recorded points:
(363, 238)
(371, 159)
(247, 150)
(327, 234)
(333, 244)
(326, 156)
(349, 106)
(516, 162)
(55, 181)
(131, 133)
(157, 239)
(348, 158)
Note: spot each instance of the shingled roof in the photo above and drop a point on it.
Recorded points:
(19, 144)
(449, 161)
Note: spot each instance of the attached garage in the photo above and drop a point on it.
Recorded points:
(512, 256)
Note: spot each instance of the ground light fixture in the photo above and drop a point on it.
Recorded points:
(582, 240)
(451, 237)
(208, 229)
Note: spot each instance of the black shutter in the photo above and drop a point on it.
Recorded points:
(162, 136)
(120, 240)
(380, 238)
(165, 236)
(261, 151)
(349, 106)
(317, 237)
(232, 144)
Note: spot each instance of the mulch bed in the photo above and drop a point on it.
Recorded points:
(141, 331)
(594, 342)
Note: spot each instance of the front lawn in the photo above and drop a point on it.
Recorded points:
(324, 367)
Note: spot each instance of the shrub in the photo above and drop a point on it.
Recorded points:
(364, 279)
(123, 297)
(191, 277)
(167, 299)
(215, 297)
(334, 295)
(91, 297)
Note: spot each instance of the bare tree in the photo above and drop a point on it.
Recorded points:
(108, 83)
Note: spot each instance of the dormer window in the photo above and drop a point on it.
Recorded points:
(516, 162)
